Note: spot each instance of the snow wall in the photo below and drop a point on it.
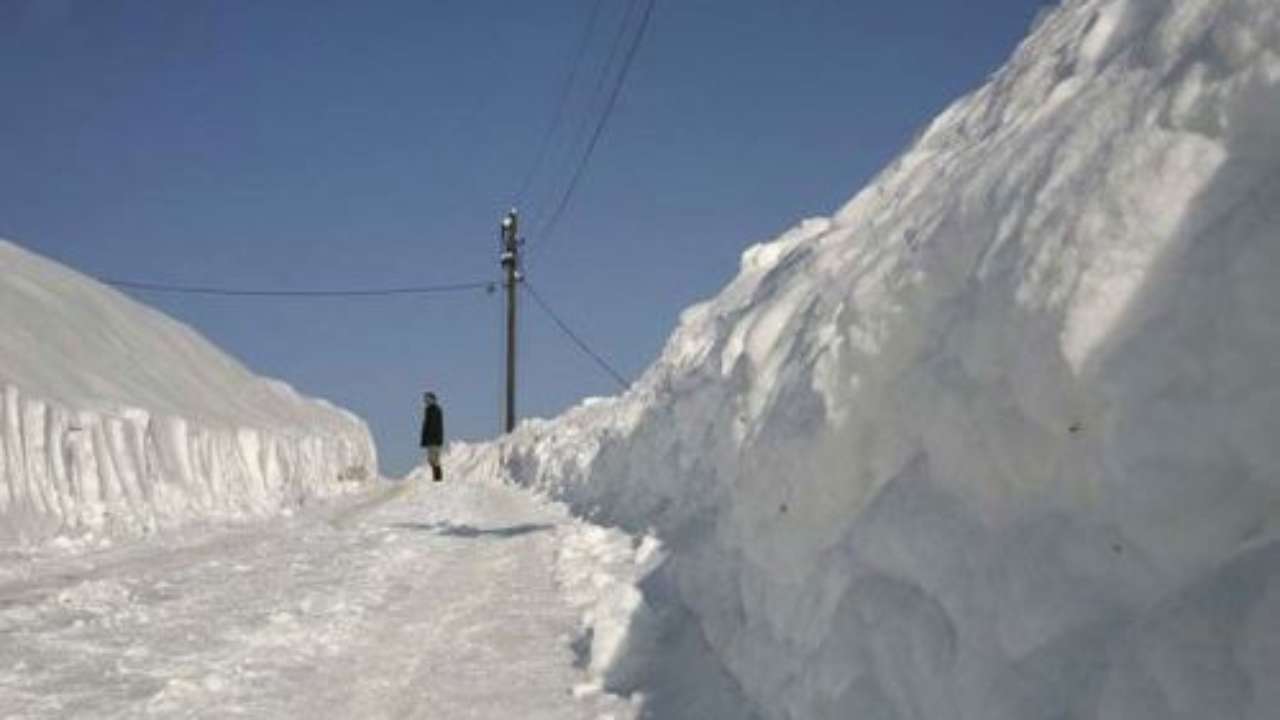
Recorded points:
(1000, 439)
(117, 420)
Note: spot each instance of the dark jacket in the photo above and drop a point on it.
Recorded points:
(432, 426)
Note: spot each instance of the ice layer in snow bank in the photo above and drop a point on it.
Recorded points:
(999, 439)
(116, 418)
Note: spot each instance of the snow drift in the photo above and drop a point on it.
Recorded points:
(117, 419)
(997, 440)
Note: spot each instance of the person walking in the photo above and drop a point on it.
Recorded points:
(433, 434)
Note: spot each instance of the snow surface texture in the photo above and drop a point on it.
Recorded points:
(997, 440)
(115, 419)
(443, 604)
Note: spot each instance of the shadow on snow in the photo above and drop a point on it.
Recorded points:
(447, 529)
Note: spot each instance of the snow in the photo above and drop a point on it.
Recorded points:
(996, 440)
(118, 421)
(462, 599)
(443, 604)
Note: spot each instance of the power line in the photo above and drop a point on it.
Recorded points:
(594, 99)
(557, 120)
(546, 228)
(582, 345)
(310, 293)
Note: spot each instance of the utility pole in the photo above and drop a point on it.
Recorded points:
(511, 270)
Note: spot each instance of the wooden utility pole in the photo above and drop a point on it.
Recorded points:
(511, 270)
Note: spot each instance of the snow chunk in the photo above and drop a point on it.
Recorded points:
(997, 441)
(119, 420)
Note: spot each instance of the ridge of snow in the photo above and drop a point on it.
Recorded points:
(118, 420)
(996, 439)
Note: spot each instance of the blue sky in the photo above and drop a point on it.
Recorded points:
(300, 144)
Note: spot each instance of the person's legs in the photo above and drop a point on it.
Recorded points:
(433, 459)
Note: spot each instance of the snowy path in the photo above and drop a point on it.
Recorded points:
(442, 604)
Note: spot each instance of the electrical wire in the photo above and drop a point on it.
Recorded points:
(591, 128)
(557, 120)
(313, 293)
(595, 99)
(582, 345)
(547, 227)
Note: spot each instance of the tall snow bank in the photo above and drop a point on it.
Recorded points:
(999, 439)
(116, 419)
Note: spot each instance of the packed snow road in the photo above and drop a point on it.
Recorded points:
(439, 604)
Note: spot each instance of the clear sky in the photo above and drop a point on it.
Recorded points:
(299, 144)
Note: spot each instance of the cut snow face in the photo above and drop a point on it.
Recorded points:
(997, 439)
(118, 419)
